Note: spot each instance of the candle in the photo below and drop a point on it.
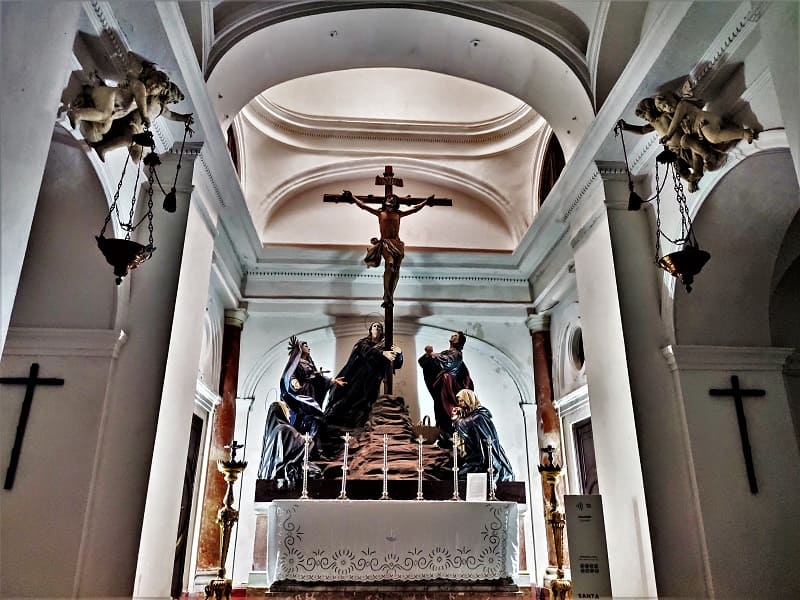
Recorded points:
(385, 455)
(419, 441)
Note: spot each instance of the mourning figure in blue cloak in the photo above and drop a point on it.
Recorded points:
(349, 406)
(473, 423)
(284, 448)
(445, 375)
(303, 388)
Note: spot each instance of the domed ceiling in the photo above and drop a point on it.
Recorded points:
(443, 135)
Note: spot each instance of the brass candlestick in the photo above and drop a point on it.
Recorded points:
(551, 471)
(227, 516)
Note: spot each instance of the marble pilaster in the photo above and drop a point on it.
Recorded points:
(222, 431)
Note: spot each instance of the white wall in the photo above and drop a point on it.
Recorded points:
(63, 321)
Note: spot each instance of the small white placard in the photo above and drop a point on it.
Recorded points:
(476, 487)
(588, 556)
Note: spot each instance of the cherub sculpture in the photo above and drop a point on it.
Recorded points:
(123, 131)
(693, 156)
(699, 139)
(109, 116)
(689, 114)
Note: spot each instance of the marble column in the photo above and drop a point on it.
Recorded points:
(222, 431)
(548, 423)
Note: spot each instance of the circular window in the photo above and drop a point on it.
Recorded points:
(576, 348)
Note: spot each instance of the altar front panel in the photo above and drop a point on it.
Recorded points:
(392, 541)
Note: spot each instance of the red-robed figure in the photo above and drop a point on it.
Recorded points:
(445, 375)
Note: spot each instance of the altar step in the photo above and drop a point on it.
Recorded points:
(397, 594)
(373, 594)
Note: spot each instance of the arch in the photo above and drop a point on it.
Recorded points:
(742, 223)
(332, 175)
(410, 38)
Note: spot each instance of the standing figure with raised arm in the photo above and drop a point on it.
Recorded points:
(389, 246)
(445, 375)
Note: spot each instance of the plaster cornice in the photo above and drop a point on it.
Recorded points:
(205, 398)
(725, 358)
(302, 130)
(45, 341)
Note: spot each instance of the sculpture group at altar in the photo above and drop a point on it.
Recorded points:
(327, 408)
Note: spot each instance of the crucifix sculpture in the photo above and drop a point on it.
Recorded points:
(389, 246)
(31, 381)
(738, 393)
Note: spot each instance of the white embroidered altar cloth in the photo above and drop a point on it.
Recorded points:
(392, 540)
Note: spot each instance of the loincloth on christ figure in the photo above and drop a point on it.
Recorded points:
(392, 249)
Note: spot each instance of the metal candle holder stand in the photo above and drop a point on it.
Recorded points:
(492, 486)
(455, 467)
(385, 494)
(307, 442)
(343, 493)
(420, 439)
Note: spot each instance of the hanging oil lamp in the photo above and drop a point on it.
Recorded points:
(125, 254)
(687, 262)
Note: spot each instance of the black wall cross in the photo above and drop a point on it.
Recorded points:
(738, 393)
(31, 381)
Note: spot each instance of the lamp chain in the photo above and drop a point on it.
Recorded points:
(149, 215)
(658, 218)
(113, 208)
(686, 223)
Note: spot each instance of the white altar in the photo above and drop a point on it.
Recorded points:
(393, 541)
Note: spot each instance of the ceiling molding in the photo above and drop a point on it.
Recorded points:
(495, 14)
(268, 117)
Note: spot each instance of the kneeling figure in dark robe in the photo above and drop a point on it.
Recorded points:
(284, 449)
(473, 423)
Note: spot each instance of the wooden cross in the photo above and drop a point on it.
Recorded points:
(388, 181)
(31, 381)
(738, 393)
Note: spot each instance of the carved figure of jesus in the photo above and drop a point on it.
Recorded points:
(389, 246)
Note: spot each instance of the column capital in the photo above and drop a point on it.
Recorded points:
(235, 317)
(538, 323)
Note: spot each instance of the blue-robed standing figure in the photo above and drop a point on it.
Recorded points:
(303, 388)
